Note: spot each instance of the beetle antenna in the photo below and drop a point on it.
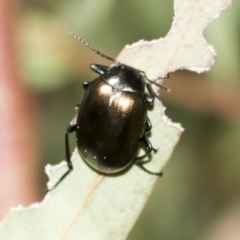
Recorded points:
(93, 48)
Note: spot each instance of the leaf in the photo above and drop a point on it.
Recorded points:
(184, 47)
(90, 206)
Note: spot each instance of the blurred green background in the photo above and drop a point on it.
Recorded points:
(199, 194)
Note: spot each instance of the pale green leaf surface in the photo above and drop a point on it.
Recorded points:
(184, 47)
(89, 206)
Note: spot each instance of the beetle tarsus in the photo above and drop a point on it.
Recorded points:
(61, 179)
(162, 77)
(146, 170)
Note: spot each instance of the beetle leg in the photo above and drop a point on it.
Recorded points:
(85, 84)
(146, 170)
(148, 144)
(150, 148)
(100, 69)
(150, 97)
(148, 125)
(139, 160)
(71, 128)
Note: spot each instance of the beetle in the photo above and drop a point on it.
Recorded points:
(112, 120)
